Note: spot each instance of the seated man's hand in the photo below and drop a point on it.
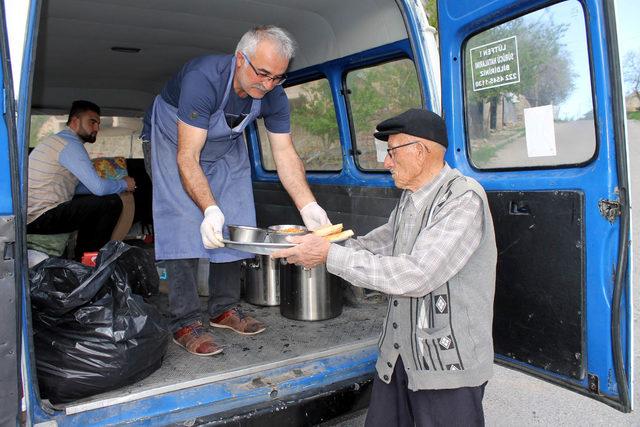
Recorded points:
(131, 183)
(211, 227)
(310, 251)
(314, 216)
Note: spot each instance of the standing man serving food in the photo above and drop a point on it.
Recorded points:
(436, 259)
(202, 177)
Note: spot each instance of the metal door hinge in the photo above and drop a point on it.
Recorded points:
(8, 252)
(7, 247)
(594, 383)
(610, 209)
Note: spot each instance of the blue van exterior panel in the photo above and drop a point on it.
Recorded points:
(597, 179)
(228, 395)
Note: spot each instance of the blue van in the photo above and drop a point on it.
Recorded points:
(532, 95)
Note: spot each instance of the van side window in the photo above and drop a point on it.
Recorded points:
(528, 96)
(375, 94)
(314, 128)
(117, 137)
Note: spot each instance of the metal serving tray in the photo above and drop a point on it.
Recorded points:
(261, 248)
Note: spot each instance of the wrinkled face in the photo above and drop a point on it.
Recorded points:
(403, 162)
(86, 126)
(254, 75)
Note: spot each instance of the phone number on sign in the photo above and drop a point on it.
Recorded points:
(496, 80)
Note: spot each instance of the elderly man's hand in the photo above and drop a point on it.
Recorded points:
(310, 251)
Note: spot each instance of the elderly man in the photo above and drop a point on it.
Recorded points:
(436, 259)
(202, 175)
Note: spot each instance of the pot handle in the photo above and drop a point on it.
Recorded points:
(252, 263)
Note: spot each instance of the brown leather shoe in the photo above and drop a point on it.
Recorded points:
(236, 320)
(196, 340)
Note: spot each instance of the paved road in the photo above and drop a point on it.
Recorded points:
(513, 398)
(575, 143)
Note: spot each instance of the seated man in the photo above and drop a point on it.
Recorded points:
(56, 167)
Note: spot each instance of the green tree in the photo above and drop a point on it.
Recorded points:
(544, 69)
(313, 120)
(631, 70)
(379, 92)
(313, 110)
(431, 7)
(34, 129)
(375, 93)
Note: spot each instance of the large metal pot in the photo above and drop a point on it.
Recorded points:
(313, 294)
(261, 283)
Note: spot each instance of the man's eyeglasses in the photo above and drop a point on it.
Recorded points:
(389, 150)
(277, 80)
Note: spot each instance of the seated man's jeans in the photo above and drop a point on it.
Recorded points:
(94, 217)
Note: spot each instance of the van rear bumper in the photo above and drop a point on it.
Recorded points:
(299, 391)
(310, 408)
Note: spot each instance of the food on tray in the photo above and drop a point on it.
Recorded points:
(290, 230)
(333, 233)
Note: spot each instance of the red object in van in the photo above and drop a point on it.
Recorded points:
(89, 258)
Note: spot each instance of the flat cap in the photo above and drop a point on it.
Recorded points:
(416, 122)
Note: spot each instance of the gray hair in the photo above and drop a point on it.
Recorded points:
(284, 41)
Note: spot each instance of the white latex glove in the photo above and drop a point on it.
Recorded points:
(211, 227)
(314, 216)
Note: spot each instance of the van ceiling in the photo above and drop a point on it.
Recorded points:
(74, 59)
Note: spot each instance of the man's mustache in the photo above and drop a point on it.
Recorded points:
(261, 88)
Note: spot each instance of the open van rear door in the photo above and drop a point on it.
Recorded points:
(533, 101)
(10, 296)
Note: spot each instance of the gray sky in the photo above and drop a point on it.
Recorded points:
(16, 12)
(628, 16)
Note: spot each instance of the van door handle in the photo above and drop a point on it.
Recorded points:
(519, 208)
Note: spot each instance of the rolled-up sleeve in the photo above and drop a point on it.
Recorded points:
(76, 159)
(440, 251)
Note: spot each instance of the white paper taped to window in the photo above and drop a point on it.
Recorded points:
(381, 150)
(540, 131)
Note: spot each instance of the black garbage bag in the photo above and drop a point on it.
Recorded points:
(91, 332)
(139, 267)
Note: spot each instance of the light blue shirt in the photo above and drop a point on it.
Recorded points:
(75, 158)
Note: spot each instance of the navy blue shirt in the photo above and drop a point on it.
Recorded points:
(198, 88)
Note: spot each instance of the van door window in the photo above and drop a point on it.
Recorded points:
(528, 91)
(117, 137)
(375, 94)
(314, 128)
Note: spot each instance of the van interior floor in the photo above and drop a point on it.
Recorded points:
(283, 339)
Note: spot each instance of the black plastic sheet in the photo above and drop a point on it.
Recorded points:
(92, 332)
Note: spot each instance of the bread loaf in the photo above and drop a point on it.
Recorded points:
(327, 230)
(339, 236)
